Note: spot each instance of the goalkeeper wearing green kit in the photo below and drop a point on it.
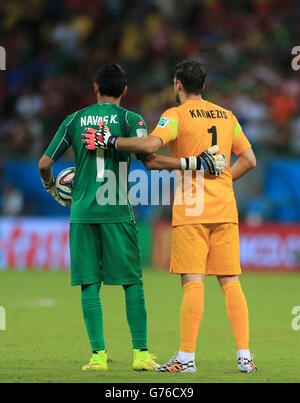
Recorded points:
(103, 237)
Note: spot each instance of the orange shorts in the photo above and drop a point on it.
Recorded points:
(211, 249)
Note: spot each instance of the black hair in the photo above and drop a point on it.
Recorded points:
(111, 79)
(192, 75)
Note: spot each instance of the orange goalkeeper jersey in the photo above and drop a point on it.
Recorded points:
(190, 129)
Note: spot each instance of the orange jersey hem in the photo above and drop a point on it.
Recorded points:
(206, 221)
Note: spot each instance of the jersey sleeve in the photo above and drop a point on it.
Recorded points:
(240, 142)
(136, 125)
(167, 127)
(61, 141)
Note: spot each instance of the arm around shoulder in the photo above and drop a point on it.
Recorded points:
(146, 145)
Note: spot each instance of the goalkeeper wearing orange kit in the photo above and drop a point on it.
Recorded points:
(206, 243)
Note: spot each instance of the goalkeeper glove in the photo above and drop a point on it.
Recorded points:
(102, 138)
(209, 162)
(51, 189)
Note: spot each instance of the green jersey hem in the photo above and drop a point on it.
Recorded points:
(101, 220)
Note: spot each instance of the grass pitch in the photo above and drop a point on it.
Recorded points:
(45, 340)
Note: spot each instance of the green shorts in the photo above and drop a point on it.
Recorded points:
(108, 253)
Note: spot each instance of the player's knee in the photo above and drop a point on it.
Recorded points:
(227, 279)
(188, 278)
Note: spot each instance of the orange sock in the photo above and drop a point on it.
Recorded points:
(237, 312)
(191, 314)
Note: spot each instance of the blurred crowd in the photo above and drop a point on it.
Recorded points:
(54, 47)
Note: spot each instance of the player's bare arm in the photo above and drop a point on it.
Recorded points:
(147, 145)
(151, 144)
(207, 161)
(159, 162)
(45, 168)
(246, 161)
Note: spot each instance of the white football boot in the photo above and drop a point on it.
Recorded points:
(174, 365)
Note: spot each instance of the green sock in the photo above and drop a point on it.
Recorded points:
(136, 315)
(93, 317)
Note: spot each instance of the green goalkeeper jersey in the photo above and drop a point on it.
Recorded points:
(100, 190)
